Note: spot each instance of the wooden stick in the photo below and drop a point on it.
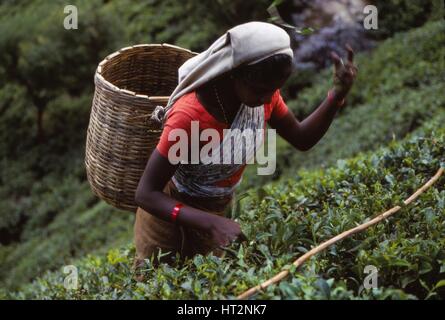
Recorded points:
(160, 99)
(297, 263)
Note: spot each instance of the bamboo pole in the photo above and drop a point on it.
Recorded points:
(297, 263)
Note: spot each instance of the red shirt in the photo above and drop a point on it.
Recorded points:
(188, 108)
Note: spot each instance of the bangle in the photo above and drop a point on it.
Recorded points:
(175, 212)
(331, 98)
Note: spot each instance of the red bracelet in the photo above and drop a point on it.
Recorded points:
(175, 211)
(330, 98)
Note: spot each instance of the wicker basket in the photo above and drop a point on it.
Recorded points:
(130, 83)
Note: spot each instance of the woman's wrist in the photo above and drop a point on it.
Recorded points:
(195, 218)
(175, 212)
(335, 97)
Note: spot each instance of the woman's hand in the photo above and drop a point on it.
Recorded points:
(344, 74)
(223, 231)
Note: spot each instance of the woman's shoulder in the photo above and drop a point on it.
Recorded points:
(187, 105)
(186, 109)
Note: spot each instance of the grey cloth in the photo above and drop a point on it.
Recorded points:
(237, 148)
(247, 43)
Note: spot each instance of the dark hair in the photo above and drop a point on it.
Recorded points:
(267, 71)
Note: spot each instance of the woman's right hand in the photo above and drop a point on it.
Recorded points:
(224, 231)
(344, 73)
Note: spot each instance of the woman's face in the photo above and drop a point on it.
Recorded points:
(255, 94)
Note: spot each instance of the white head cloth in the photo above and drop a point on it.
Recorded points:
(247, 43)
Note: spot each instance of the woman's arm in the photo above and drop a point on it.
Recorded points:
(150, 197)
(304, 135)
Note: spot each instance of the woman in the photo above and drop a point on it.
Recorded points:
(233, 84)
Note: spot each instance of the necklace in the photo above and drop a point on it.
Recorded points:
(220, 104)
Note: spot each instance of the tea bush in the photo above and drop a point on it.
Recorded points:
(368, 126)
(289, 217)
(60, 227)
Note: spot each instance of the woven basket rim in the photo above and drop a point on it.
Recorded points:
(98, 74)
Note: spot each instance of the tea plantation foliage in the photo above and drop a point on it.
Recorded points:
(287, 219)
(49, 217)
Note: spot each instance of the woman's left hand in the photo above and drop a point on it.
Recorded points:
(344, 74)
